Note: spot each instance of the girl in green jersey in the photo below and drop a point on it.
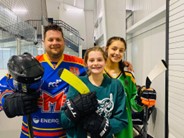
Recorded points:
(115, 49)
(110, 116)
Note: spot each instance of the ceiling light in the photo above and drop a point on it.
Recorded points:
(73, 9)
(19, 10)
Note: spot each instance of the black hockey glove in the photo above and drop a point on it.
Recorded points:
(146, 96)
(81, 105)
(20, 103)
(96, 125)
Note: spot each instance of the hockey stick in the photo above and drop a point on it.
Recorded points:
(73, 80)
(30, 127)
(155, 72)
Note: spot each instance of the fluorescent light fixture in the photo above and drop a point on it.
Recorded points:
(76, 10)
(73, 9)
(19, 10)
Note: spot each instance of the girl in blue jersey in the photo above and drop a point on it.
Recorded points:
(82, 117)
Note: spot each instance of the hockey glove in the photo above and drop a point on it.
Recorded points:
(146, 96)
(96, 125)
(20, 103)
(81, 105)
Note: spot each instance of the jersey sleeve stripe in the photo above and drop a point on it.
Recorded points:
(44, 133)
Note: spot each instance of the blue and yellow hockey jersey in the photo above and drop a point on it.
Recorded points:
(46, 121)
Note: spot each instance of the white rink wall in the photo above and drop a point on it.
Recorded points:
(10, 127)
(146, 47)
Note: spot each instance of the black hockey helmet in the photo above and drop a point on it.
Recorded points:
(25, 69)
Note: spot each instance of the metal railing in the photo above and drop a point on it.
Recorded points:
(71, 35)
(11, 23)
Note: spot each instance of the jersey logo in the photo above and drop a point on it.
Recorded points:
(74, 70)
(52, 103)
(106, 106)
(54, 84)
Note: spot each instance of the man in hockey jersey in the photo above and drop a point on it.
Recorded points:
(45, 117)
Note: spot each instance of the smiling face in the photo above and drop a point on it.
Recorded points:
(54, 44)
(95, 62)
(116, 51)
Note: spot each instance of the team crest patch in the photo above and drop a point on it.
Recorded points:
(74, 70)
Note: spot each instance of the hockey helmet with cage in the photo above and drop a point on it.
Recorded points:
(26, 72)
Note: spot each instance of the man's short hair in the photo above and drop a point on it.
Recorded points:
(52, 27)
